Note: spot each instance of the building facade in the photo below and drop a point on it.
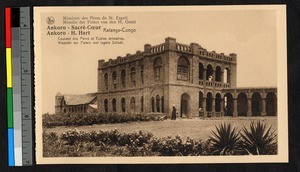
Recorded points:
(187, 76)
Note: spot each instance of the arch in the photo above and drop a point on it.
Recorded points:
(209, 102)
(271, 104)
(183, 68)
(218, 102)
(218, 74)
(114, 105)
(142, 74)
(185, 105)
(157, 67)
(228, 104)
(157, 103)
(162, 104)
(209, 73)
(256, 103)
(123, 104)
(142, 104)
(105, 105)
(201, 71)
(242, 104)
(132, 104)
(114, 77)
(106, 80)
(201, 99)
(152, 104)
(132, 75)
(123, 78)
(226, 75)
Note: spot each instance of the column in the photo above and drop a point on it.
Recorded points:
(221, 107)
(204, 74)
(222, 77)
(204, 107)
(263, 108)
(249, 105)
(213, 111)
(235, 114)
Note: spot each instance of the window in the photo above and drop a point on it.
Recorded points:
(226, 76)
(162, 104)
(132, 104)
(132, 76)
(157, 104)
(142, 74)
(152, 104)
(218, 74)
(201, 71)
(106, 105)
(123, 78)
(106, 81)
(115, 82)
(183, 69)
(123, 105)
(209, 73)
(142, 104)
(114, 104)
(157, 66)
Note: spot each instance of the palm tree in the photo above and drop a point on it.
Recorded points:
(225, 141)
(259, 140)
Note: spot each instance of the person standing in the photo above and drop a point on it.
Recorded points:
(174, 113)
(200, 112)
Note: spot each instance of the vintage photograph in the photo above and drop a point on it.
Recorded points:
(177, 84)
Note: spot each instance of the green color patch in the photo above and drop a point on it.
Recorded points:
(10, 108)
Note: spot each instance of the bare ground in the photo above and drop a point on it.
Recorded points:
(195, 128)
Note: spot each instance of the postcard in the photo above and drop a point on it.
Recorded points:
(161, 84)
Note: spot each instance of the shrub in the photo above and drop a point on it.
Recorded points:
(259, 139)
(136, 143)
(225, 141)
(52, 120)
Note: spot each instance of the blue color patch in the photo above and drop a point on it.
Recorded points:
(11, 154)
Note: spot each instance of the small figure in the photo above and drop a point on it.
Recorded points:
(201, 112)
(226, 111)
(210, 78)
(173, 113)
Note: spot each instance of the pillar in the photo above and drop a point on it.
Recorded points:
(222, 76)
(204, 74)
(263, 108)
(213, 110)
(204, 107)
(249, 105)
(221, 107)
(213, 75)
(235, 114)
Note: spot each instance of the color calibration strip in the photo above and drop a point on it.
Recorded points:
(19, 108)
(11, 152)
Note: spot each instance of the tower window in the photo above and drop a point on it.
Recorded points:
(183, 69)
(157, 66)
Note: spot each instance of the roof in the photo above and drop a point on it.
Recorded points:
(58, 94)
(79, 99)
(94, 106)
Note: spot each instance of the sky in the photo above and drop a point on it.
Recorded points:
(251, 34)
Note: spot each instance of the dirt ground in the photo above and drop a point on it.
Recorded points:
(195, 128)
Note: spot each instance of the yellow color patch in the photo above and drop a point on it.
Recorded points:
(8, 67)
